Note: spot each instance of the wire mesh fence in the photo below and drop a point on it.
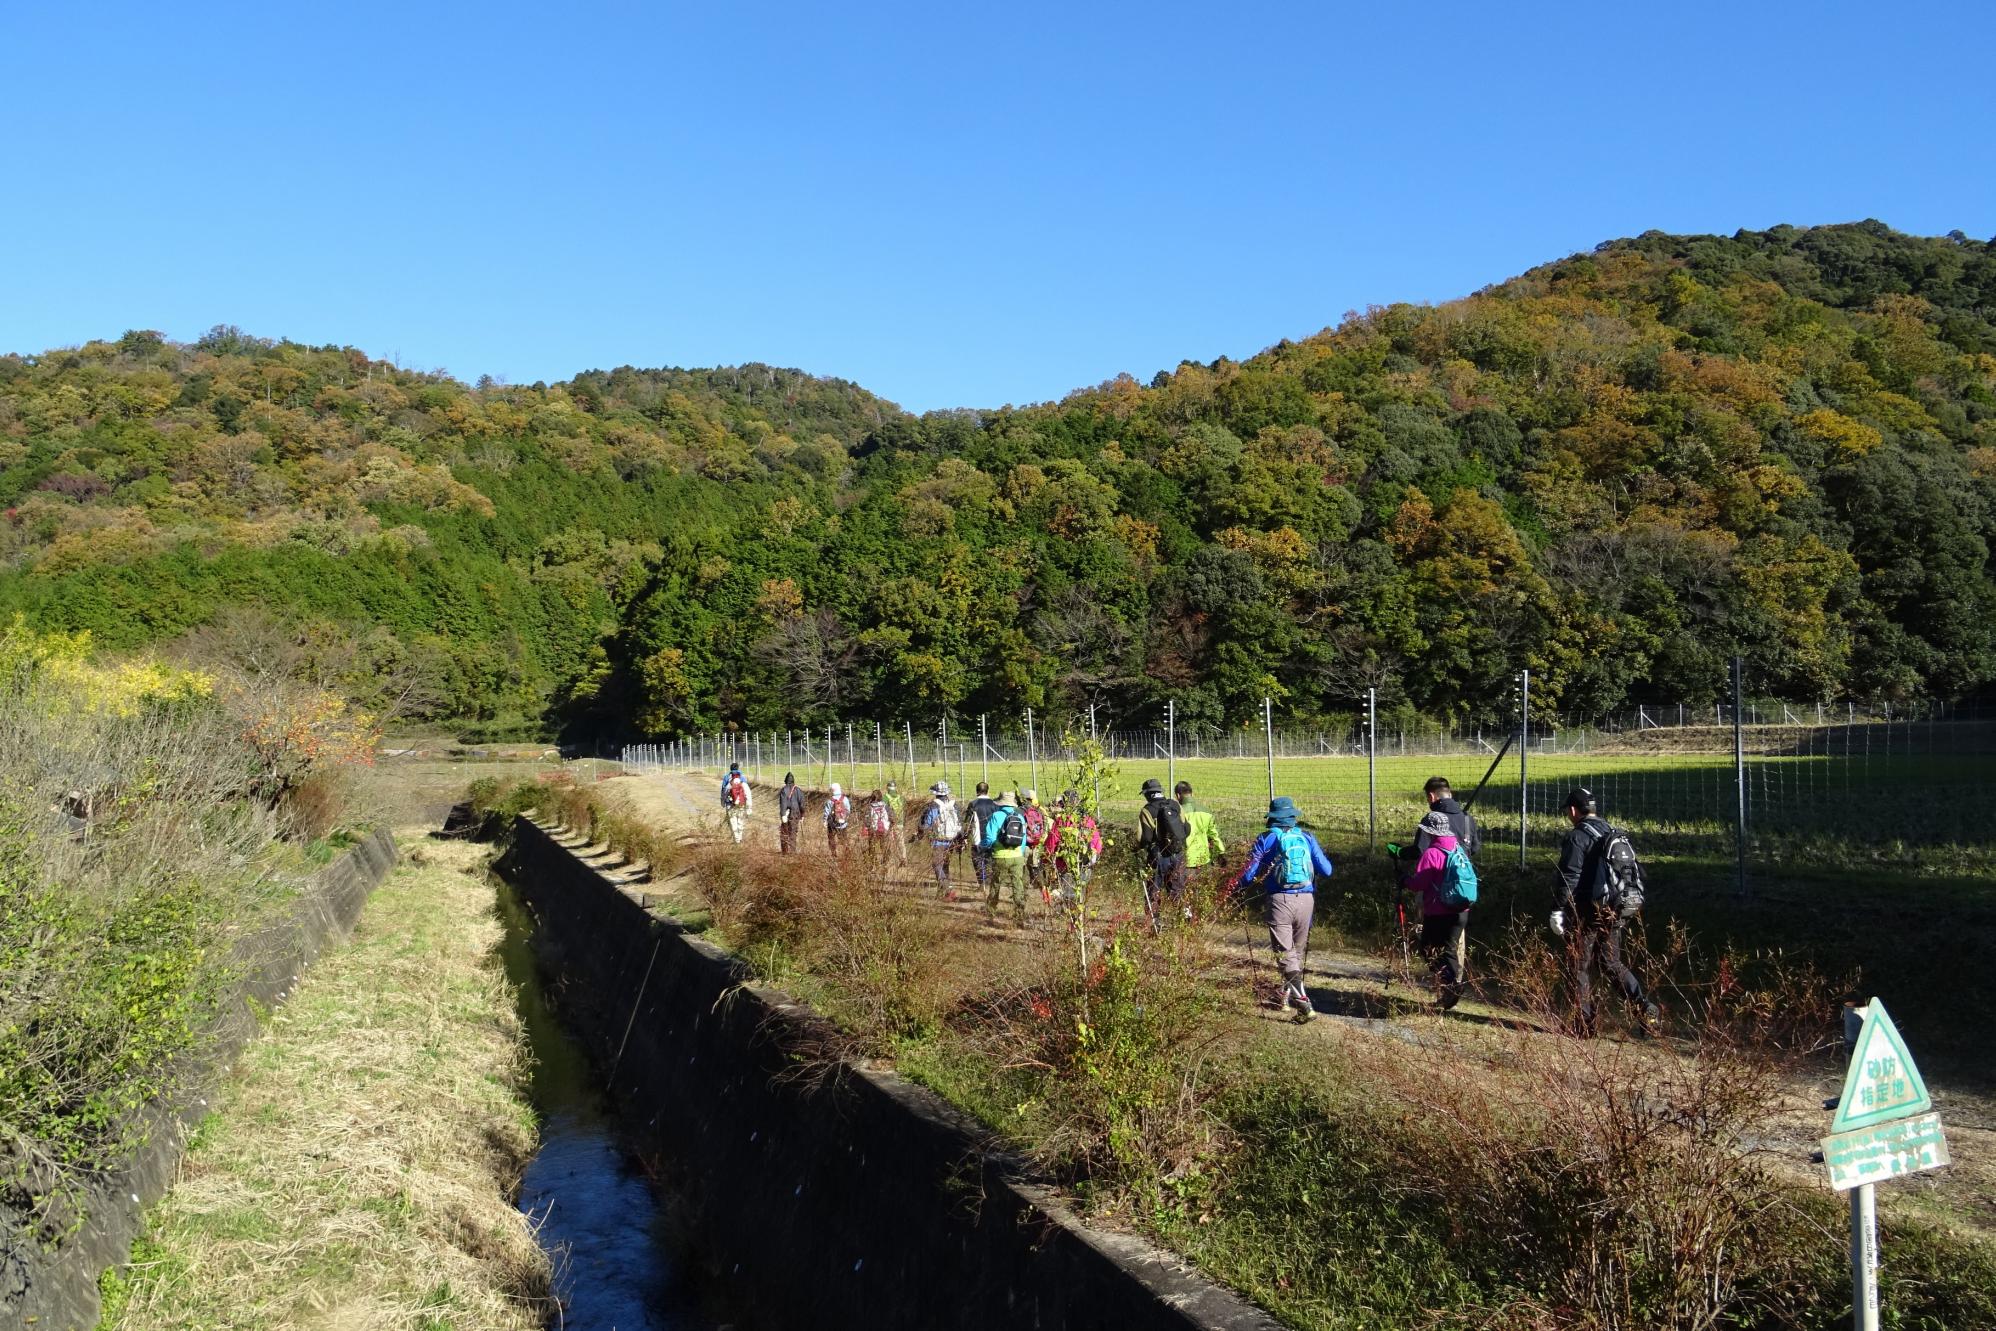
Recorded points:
(1788, 786)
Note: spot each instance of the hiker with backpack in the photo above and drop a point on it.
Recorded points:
(1203, 847)
(1446, 882)
(895, 813)
(1074, 844)
(838, 818)
(1410, 858)
(1005, 838)
(1037, 825)
(789, 814)
(1161, 843)
(1597, 894)
(876, 830)
(981, 810)
(943, 825)
(1291, 861)
(737, 800)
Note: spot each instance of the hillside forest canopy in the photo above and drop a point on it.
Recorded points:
(1618, 470)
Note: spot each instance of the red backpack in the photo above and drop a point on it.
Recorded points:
(1036, 825)
(737, 789)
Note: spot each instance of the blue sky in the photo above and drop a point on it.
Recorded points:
(955, 205)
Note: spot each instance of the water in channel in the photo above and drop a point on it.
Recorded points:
(619, 1268)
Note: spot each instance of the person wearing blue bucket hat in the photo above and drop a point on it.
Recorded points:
(1291, 861)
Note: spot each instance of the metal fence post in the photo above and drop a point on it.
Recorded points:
(1524, 760)
(1371, 770)
(880, 759)
(908, 728)
(852, 758)
(1739, 784)
(1170, 744)
(1268, 736)
(1032, 750)
(828, 753)
(983, 749)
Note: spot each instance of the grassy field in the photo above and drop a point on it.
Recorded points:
(357, 1169)
(1830, 811)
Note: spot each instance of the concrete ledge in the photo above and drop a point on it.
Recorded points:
(56, 1290)
(859, 1201)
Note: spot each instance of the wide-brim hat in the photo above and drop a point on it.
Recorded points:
(1436, 823)
(940, 788)
(1282, 809)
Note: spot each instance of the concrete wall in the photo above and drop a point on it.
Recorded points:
(56, 1290)
(864, 1203)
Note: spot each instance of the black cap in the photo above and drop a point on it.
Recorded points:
(734, 767)
(789, 779)
(1153, 787)
(1581, 798)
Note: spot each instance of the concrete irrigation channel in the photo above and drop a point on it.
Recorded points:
(858, 1200)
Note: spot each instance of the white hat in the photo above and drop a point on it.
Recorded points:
(1030, 796)
(836, 792)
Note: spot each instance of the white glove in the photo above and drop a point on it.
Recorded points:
(1558, 923)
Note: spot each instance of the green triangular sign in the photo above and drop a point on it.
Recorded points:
(1882, 1083)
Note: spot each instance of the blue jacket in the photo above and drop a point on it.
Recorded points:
(996, 824)
(1267, 855)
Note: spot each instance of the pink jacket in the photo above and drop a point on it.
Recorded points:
(1087, 833)
(1428, 874)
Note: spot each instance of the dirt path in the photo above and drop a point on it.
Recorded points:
(1359, 992)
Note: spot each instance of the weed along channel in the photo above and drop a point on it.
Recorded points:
(618, 1252)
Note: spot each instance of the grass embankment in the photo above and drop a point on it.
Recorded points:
(357, 1167)
(1470, 1172)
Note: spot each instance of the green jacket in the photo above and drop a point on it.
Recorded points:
(1202, 839)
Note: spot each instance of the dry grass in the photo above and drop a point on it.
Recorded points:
(357, 1169)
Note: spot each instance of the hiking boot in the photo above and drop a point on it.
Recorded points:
(1304, 1010)
(1651, 1024)
(1449, 998)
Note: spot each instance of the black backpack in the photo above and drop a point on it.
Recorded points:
(1012, 834)
(1614, 874)
(1169, 821)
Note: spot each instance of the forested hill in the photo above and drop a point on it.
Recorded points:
(1617, 469)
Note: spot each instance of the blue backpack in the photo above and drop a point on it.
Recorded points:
(1297, 870)
(1458, 891)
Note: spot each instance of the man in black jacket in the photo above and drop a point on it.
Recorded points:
(1161, 845)
(1593, 928)
(980, 811)
(1441, 799)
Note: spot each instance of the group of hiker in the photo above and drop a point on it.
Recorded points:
(1016, 846)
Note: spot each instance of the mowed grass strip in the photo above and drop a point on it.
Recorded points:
(358, 1167)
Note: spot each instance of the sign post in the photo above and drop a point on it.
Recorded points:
(1884, 1127)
